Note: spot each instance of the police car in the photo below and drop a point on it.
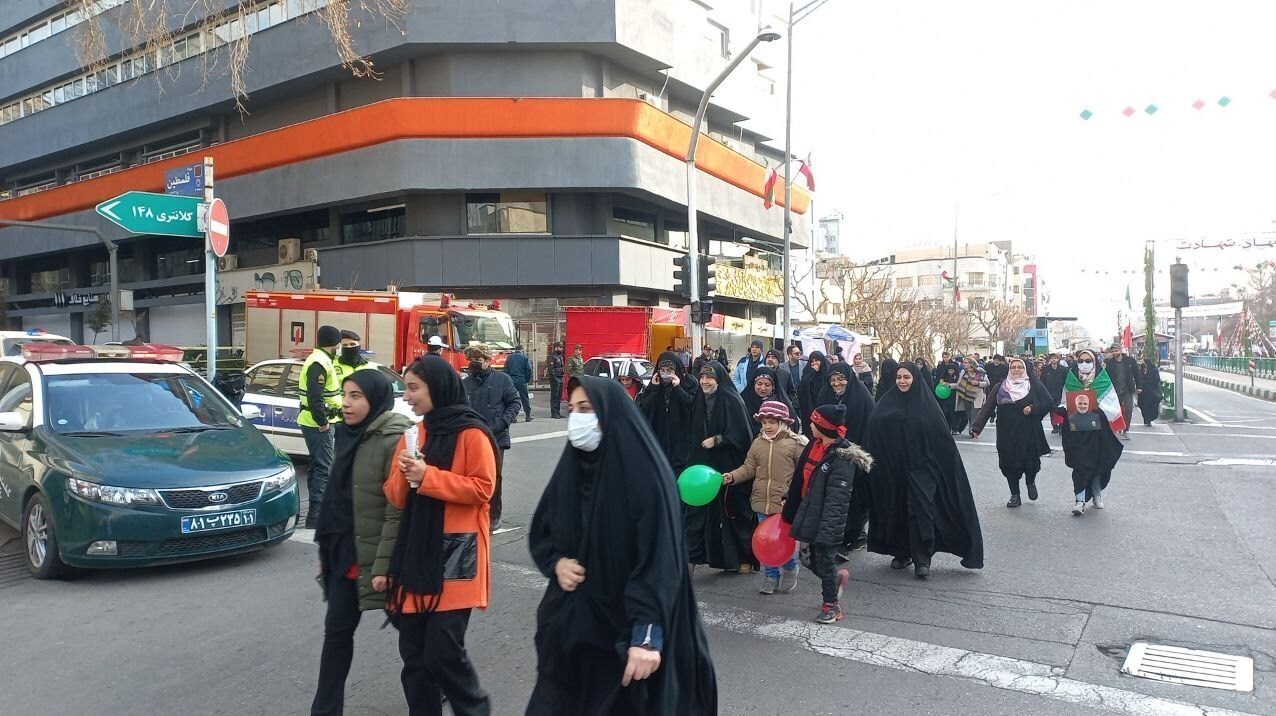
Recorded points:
(273, 387)
(11, 342)
(122, 457)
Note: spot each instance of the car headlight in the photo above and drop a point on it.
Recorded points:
(111, 495)
(280, 480)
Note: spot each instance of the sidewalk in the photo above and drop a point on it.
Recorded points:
(1262, 389)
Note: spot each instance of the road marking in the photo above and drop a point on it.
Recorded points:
(1262, 462)
(1204, 415)
(1158, 453)
(503, 530)
(541, 436)
(918, 657)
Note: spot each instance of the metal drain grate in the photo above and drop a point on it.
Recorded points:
(1190, 667)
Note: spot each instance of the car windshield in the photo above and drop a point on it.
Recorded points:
(135, 402)
(395, 379)
(495, 330)
(13, 346)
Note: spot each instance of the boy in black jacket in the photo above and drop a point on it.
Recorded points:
(819, 499)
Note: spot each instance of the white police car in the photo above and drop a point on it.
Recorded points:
(273, 387)
(11, 342)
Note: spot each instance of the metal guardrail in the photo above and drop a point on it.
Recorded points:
(1168, 399)
(1264, 367)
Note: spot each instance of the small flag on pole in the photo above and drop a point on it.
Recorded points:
(768, 189)
(805, 170)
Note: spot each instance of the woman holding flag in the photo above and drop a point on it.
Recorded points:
(1090, 444)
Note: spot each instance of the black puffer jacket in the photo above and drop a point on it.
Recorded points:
(493, 395)
(819, 517)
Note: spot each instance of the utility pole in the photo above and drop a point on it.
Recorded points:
(788, 182)
(956, 290)
(112, 251)
(210, 274)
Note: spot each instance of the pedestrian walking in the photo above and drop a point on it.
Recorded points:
(1020, 402)
(796, 366)
(721, 356)
(555, 368)
(356, 528)
(1124, 372)
(618, 631)
(666, 404)
(784, 379)
(747, 367)
(630, 379)
(970, 392)
(706, 355)
(949, 374)
(720, 533)
(814, 380)
(763, 390)
(519, 368)
(1149, 390)
(685, 357)
(863, 371)
(768, 468)
(1053, 375)
(439, 567)
(320, 408)
(1090, 445)
(920, 496)
(843, 389)
(493, 396)
(819, 500)
(886, 377)
(576, 364)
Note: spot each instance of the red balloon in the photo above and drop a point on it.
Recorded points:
(772, 544)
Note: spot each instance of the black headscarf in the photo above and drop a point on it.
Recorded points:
(727, 418)
(886, 380)
(616, 511)
(668, 410)
(918, 472)
(753, 401)
(858, 401)
(813, 382)
(416, 565)
(335, 529)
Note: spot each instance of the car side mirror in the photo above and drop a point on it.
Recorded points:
(250, 412)
(13, 423)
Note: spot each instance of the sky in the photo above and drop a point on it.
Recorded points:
(913, 109)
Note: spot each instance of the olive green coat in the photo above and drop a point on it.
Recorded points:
(376, 521)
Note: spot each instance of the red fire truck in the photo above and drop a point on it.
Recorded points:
(394, 326)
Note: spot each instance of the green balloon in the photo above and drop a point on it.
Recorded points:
(942, 391)
(699, 484)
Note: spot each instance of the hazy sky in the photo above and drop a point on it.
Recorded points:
(914, 107)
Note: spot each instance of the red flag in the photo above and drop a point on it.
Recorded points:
(768, 189)
(805, 170)
(1127, 336)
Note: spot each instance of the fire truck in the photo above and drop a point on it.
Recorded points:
(395, 325)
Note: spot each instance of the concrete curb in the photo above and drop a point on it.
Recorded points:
(1260, 393)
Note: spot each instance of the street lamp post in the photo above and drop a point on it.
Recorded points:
(111, 250)
(693, 239)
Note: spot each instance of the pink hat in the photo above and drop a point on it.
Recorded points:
(774, 409)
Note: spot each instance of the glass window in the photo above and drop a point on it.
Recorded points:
(292, 381)
(90, 84)
(904, 282)
(373, 225)
(10, 113)
(17, 399)
(253, 23)
(141, 402)
(47, 98)
(77, 88)
(277, 14)
(265, 380)
(496, 330)
(112, 75)
(184, 262)
(52, 280)
(511, 212)
(36, 34)
(927, 280)
(59, 94)
(58, 23)
(28, 107)
(635, 224)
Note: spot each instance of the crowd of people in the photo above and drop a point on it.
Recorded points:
(842, 453)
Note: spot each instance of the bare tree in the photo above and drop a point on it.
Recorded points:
(153, 26)
(99, 318)
(1001, 321)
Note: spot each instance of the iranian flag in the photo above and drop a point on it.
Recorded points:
(768, 189)
(1127, 333)
(804, 169)
(1108, 401)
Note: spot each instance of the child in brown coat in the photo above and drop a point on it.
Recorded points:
(770, 464)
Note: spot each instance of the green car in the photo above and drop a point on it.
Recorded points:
(134, 461)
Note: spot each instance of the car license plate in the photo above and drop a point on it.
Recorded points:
(218, 521)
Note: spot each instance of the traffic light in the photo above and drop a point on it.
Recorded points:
(1178, 286)
(702, 312)
(681, 277)
(708, 274)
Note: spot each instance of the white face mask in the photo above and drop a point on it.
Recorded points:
(583, 431)
(1085, 367)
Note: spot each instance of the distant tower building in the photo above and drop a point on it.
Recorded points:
(829, 240)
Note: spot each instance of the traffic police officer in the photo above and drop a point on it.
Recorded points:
(320, 408)
(351, 357)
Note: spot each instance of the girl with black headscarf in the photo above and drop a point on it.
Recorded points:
(814, 378)
(439, 569)
(1149, 390)
(919, 494)
(764, 388)
(947, 373)
(356, 528)
(618, 631)
(666, 404)
(720, 533)
(1020, 402)
(886, 380)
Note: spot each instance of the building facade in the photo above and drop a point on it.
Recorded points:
(526, 151)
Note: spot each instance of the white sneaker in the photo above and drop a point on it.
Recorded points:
(1078, 508)
(1098, 503)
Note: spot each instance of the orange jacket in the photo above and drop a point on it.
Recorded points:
(466, 488)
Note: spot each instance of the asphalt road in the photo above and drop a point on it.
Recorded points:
(1185, 555)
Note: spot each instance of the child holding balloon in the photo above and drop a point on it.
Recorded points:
(819, 500)
(769, 465)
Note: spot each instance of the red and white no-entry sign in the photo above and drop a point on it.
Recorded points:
(1252, 367)
(218, 227)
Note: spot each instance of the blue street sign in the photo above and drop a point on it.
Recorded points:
(185, 181)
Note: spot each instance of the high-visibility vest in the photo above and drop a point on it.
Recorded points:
(344, 371)
(331, 389)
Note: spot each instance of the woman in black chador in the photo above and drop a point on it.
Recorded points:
(1020, 402)
(618, 631)
(919, 494)
(886, 377)
(666, 404)
(1149, 390)
(765, 387)
(720, 533)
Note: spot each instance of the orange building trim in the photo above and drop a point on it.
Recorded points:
(417, 118)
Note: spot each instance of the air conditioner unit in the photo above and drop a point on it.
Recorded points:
(312, 255)
(229, 262)
(289, 251)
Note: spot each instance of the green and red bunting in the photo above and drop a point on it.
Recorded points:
(1197, 104)
(768, 189)
(1109, 403)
